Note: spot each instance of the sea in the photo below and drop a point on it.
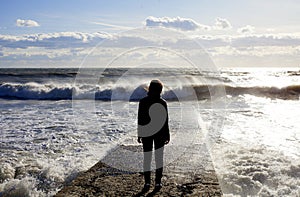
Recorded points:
(57, 122)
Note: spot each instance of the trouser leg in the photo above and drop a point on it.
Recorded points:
(159, 161)
(147, 166)
(158, 175)
(147, 148)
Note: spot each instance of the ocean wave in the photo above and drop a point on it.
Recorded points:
(288, 92)
(37, 91)
(38, 73)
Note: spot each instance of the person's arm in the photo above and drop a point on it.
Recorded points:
(167, 131)
(139, 122)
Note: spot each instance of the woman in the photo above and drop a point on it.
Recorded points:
(153, 127)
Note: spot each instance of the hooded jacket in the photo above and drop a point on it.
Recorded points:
(144, 118)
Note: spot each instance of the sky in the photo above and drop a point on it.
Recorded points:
(235, 33)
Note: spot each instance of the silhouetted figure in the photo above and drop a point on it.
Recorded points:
(153, 127)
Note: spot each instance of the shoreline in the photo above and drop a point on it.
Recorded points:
(103, 180)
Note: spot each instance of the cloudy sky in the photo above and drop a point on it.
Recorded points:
(235, 33)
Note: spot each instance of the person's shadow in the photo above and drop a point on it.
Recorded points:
(145, 190)
(156, 190)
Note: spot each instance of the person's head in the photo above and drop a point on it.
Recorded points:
(155, 87)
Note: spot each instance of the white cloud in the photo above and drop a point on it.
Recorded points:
(184, 24)
(54, 40)
(26, 23)
(222, 23)
(36, 52)
(73, 46)
(248, 29)
(83, 40)
(258, 51)
(266, 40)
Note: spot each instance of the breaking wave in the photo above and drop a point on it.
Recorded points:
(37, 91)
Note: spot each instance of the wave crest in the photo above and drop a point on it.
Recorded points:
(36, 91)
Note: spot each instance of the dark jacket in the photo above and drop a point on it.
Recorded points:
(144, 118)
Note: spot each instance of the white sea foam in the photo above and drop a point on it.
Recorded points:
(256, 171)
(41, 149)
(25, 187)
(37, 91)
(42, 146)
(258, 152)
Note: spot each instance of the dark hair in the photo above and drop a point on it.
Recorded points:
(155, 87)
